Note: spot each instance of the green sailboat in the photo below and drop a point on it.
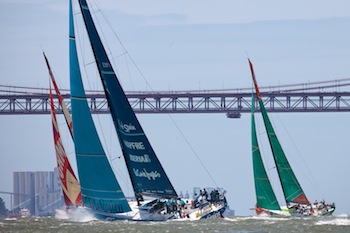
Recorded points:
(296, 201)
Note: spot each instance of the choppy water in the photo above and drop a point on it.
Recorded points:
(232, 224)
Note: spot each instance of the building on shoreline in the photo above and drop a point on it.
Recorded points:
(39, 192)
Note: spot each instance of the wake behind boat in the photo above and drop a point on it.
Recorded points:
(296, 200)
(155, 196)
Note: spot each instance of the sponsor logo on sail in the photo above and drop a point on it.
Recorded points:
(134, 145)
(140, 158)
(144, 173)
(126, 127)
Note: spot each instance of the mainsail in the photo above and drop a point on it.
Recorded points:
(69, 182)
(147, 174)
(265, 196)
(99, 186)
(293, 193)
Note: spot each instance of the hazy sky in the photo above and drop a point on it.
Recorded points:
(190, 45)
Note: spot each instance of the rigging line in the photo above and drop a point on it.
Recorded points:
(126, 51)
(194, 152)
(129, 73)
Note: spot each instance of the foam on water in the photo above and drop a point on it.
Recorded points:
(339, 220)
(75, 215)
(81, 223)
(10, 219)
(261, 217)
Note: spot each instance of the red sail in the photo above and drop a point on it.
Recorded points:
(60, 99)
(69, 183)
(301, 199)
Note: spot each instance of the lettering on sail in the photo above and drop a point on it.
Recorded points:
(144, 173)
(134, 145)
(126, 127)
(140, 158)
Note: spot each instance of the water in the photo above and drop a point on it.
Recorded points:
(231, 224)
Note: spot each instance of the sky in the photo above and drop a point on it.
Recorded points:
(191, 45)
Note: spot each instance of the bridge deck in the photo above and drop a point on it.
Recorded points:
(21, 100)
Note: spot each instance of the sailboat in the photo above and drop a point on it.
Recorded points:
(297, 204)
(155, 196)
(69, 183)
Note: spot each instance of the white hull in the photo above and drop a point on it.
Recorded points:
(142, 213)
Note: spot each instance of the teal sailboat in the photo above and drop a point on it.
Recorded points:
(101, 192)
(295, 198)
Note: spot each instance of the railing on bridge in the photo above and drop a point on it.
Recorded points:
(310, 97)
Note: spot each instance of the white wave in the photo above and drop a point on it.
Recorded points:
(61, 214)
(11, 219)
(75, 215)
(339, 221)
(181, 220)
(260, 217)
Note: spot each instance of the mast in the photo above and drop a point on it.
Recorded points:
(291, 188)
(145, 170)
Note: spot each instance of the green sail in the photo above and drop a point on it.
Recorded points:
(290, 185)
(291, 188)
(265, 197)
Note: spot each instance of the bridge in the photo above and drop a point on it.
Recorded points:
(325, 96)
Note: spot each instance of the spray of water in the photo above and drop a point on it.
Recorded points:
(75, 214)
